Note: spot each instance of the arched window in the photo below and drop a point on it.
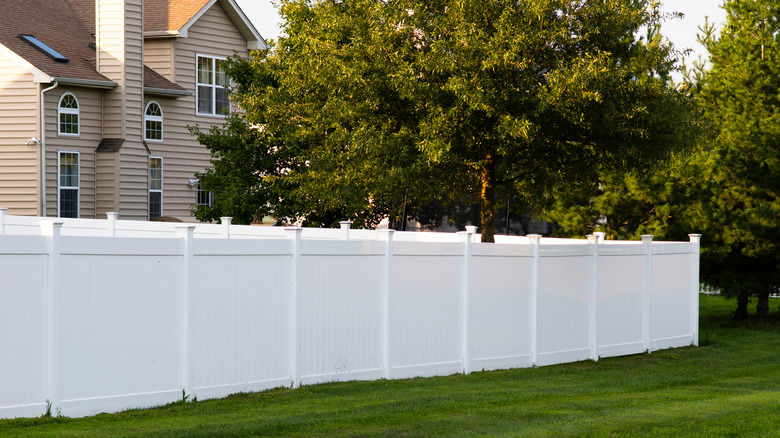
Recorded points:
(68, 115)
(153, 122)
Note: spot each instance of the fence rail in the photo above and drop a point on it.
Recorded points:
(93, 320)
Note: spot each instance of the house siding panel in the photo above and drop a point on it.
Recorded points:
(19, 164)
(158, 55)
(110, 40)
(106, 188)
(134, 180)
(90, 134)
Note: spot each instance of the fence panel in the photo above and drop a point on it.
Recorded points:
(239, 296)
(340, 311)
(24, 337)
(563, 306)
(499, 300)
(670, 301)
(619, 306)
(424, 310)
(117, 324)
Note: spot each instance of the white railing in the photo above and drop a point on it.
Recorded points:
(94, 323)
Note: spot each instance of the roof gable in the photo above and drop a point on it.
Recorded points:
(171, 15)
(174, 17)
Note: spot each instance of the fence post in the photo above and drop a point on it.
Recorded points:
(345, 226)
(294, 234)
(111, 218)
(647, 241)
(226, 222)
(534, 239)
(593, 241)
(52, 229)
(600, 236)
(695, 287)
(473, 230)
(3, 212)
(384, 318)
(465, 238)
(185, 233)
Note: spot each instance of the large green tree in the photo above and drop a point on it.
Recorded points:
(377, 104)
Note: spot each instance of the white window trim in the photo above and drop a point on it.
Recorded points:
(162, 181)
(76, 111)
(213, 86)
(60, 186)
(154, 119)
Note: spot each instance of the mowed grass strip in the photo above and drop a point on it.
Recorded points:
(729, 386)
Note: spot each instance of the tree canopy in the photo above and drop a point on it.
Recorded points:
(366, 105)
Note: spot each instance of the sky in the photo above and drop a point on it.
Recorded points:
(682, 33)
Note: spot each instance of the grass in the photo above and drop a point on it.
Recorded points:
(728, 387)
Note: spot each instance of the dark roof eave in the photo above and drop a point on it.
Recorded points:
(167, 92)
(88, 83)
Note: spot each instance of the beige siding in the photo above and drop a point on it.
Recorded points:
(19, 164)
(134, 180)
(120, 58)
(90, 133)
(106, 183)
(158, 55)
(214, 35)
(110, 40)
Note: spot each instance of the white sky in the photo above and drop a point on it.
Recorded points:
(682, 33)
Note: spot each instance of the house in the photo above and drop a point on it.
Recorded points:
(96, 97)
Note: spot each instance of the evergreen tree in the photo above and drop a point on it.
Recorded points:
(740, 97)
(727, 190)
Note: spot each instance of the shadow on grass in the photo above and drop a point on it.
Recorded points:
(717, 312)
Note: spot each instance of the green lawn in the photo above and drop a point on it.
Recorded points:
(728, 387)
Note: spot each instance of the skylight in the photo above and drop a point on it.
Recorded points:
(38, 44)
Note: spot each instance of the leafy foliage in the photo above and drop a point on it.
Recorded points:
(375, 104)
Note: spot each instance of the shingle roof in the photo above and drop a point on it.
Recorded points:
(159, 15)
(68, 27)
(57, 25)
(158, 82)
(170, 15)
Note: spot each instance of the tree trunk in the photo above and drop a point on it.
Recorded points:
(487, 213)
(762, 308)
(742, 302)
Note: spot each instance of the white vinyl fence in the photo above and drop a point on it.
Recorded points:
(93, 321)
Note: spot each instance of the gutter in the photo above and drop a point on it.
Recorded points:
(162, 34)
(167, 92)
(105, 85)
(43, 146)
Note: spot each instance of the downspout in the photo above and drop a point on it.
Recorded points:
(43, 147)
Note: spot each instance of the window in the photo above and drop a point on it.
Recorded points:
(212, 86)
(155, 187)
(153, 122)
(68, 182)
(205, 198)
(68, 115)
